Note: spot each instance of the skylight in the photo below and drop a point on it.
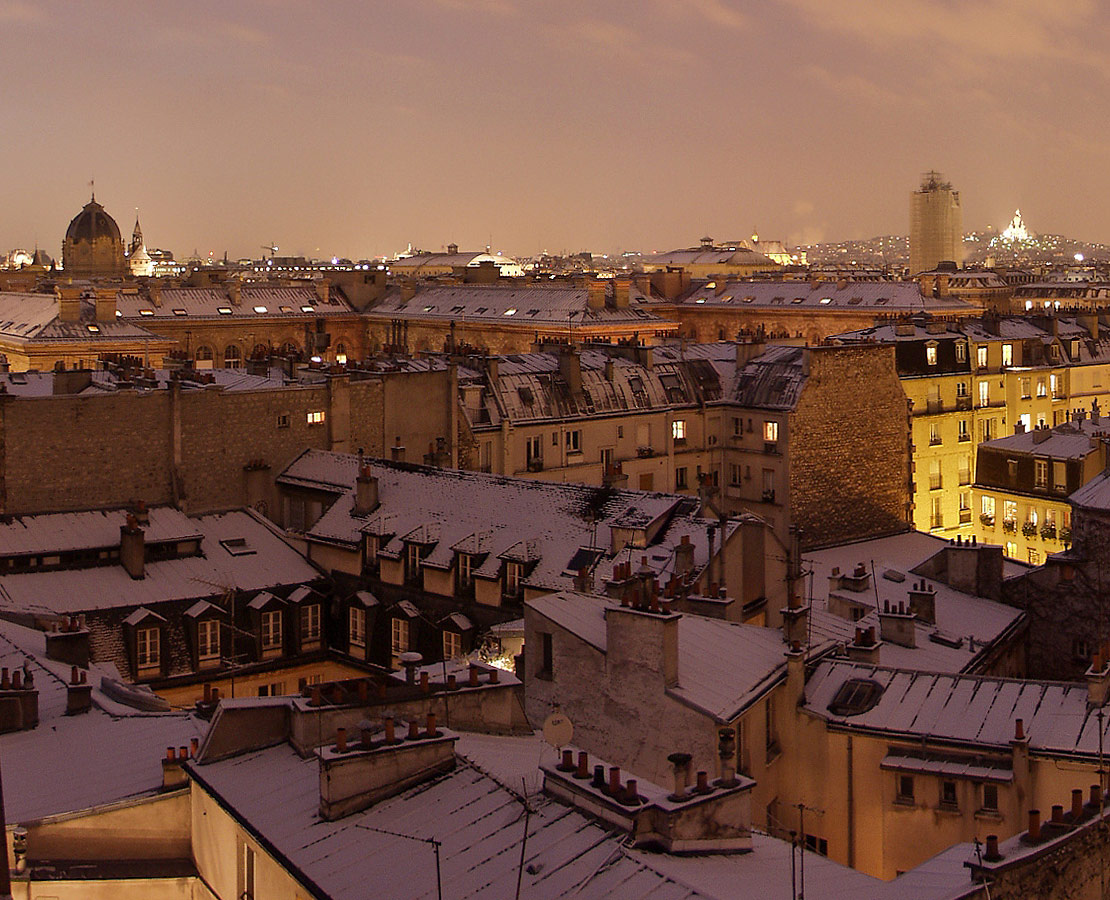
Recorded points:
(260, 309)
(224, 310)
(511, 311)
(146, 312)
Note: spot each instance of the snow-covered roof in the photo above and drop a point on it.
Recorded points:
(477, 814)
(723, 667)
(959, 616)
(826, 296)
(71, 763)
(255, 302)
(1095, 494)
(35, 317)
(965, 709)
(65, 591)
(96, 529)
(544, 522)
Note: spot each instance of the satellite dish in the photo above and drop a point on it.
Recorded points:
(558, 730)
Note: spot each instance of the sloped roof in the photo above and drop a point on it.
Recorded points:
(255, 301)
(854, 296)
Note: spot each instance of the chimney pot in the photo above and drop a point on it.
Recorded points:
(1096, 796)
(567, 763)
(216, 695)
(631, 791)
(599, 777)
(1058, 814)
(452, 682)
(207, 692)
(473, 675)
(1034, 832)
(1076, 803)
(317, 696)
(414, 730)
(182, 752)
(494, 675)
(170, 754)
(614, 780)
(1019, 729)
(73, 675)
(425, 686)
(341, 740)
(583, 765)
(17, 680)
(194, 745)
(703, 782)
(992, 853)
(390, 729)
(431, 725)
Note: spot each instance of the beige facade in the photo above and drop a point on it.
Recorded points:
(936, 224)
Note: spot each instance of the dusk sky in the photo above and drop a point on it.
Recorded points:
(355, 128)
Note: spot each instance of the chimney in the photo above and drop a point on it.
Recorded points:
(749, 350)
(1095, 412)
(865, 648)
(683, 555)
(235, 292)
(622, 288)
(323, 290)
(78, 693)
(570, 368)
(366, 492)
(1098, 681)
(975, 569)
(132, 547)
(452, 249)
(610, 370)
(643, 644)
(408, 291)
(896, 625)
(397, 451)
(105, 304)
(69, 303)
(69, 644)
(154, 289)
(595, 294)
(923, 602)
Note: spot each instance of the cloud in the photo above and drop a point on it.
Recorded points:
(497, 7)
(716, 12)
(616, 42)
(850, 86)
(987, 31)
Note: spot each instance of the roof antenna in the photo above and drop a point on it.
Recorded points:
(92, 188)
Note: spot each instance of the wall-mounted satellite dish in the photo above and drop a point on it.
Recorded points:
(558, 730)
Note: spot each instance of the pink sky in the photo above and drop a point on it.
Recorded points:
(357, 127)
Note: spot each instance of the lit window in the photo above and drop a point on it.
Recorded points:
(452, 645)
(95, 329)
(147, 647)
(316, 417)
(511, 311)
(271, 630)
(982, 356)
(208, 640)
(260, 309)
(1007, 354)
(356, 626)
(304, 309)
(512, 579)
(180, 312)
(678, 429)
(400, 636)
(224, 310)
(931, 354)
(826, 300)
(285, 309)
(984, 393)
(770, 431)
(146, 312)
(310, 622)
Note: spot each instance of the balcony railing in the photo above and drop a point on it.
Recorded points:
(987, 520)
(963, 402)
(934, 405)
(1009, 526)
(935, 482)
(535, 464)
(965, 517)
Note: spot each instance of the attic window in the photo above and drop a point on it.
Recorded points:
(95, 329)
(306, 309)
(700, 300)
(856, 696)
(428, 308)
(237, 546)
(285, 309)
(481, 309)
(146, 312)
(260, 309)
(826, 300)
(180, 312)
(511, 311)
(525, 394)
(797, 300)
(224, 310)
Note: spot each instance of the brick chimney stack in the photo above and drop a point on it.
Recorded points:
(132, 548)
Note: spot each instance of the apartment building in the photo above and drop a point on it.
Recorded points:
(977, 380)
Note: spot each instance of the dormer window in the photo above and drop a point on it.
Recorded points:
(961, 352)
(148, 648)
(465, 569)
(356, 627)
(931, 353)
(310, 624)
(271, 633)
(400, 636)
(208, 643)
(513, 574)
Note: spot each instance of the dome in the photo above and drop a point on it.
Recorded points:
(93, 223)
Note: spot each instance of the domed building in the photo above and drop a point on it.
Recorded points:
(93, 245)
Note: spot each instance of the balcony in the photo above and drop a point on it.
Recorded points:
(965, 477)
(1029, 530)
(1009, 526)
(936, 522)
(770, 447)
(935, 482)
(965, 517)
(535, 464)
(934, 405)
(963, 402)
(987, 520)
(1048, 532)
(644, 452)
(964, 437)
(769, 496)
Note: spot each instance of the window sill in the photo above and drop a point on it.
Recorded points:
(948, 809)
(988, 815)
(905, 802)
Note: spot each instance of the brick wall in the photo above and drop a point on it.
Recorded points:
(849, 447)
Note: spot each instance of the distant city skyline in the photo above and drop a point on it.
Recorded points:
(349, 129)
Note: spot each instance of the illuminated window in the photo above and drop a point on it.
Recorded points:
(146, 312)
(285, 309)
(304, 309)
(341, 354)
(1042, 387)
(452, 645)
(770, 431)
(678, 429)
(316, 417)
(931, 354)
(988, 507)
(95, 329)
(180, 312)
(982, 357)
(271, 630)
(1007, 354)
(356, 626)
(224, 310)
(260, 309)
(984, 393)
(509, 312)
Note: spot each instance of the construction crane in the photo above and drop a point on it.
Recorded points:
(272, 247)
